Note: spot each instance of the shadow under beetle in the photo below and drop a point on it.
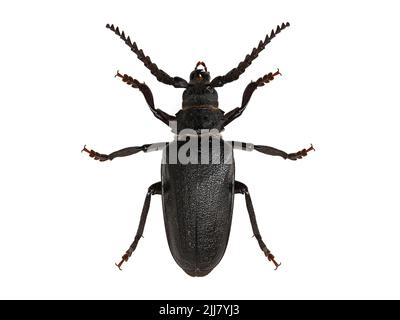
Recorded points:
(198, 197)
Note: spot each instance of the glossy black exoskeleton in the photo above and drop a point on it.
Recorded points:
(198, 170)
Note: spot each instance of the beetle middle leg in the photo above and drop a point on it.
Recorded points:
(242, 188)
(153, 189)
(148, 95)
(248, 92)
(124, 152)
(273, 151)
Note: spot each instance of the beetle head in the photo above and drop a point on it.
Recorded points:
(199, 93)
(200, 75)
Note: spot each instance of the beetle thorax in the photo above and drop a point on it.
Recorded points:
(200, 117)
(198, 95)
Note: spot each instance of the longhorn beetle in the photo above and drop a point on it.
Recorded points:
(198, 197)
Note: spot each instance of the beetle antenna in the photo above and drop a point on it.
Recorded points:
(242, 66)
(161, 75)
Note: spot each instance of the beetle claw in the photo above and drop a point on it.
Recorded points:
(119, 264)
(272, 258)
(95, 155)
(277, 73)
(300, 154)
(125, 258)
(84, 149)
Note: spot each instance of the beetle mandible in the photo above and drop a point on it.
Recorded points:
(198, 197)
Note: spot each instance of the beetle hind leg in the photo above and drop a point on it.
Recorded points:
(153, 189)
(242, 188)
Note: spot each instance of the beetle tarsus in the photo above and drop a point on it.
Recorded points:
(310, 148)
(118, 75)
(125, 258)
(129, 80)
(267, 78)
(272, 258)
(277, 73)
(84, 149)
(119, 264)
(95, 155)
(300, 154)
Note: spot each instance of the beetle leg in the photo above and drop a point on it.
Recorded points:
(125, 258)
(300, 154)
(153, 189)
(276, 152)
(272, 258)
(148, 95)
(248, 92)
(95, 155)
(272, 151)
(242, 188)
(125, 152)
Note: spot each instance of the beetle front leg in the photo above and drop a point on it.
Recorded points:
(124, 152)
(148, 95)
(153, 189)
(248, 92)
(242, 188)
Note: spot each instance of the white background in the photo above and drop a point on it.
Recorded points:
(332, 218)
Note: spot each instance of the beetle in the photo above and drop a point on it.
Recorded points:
(198, 197)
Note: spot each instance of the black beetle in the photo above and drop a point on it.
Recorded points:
(198, 197)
